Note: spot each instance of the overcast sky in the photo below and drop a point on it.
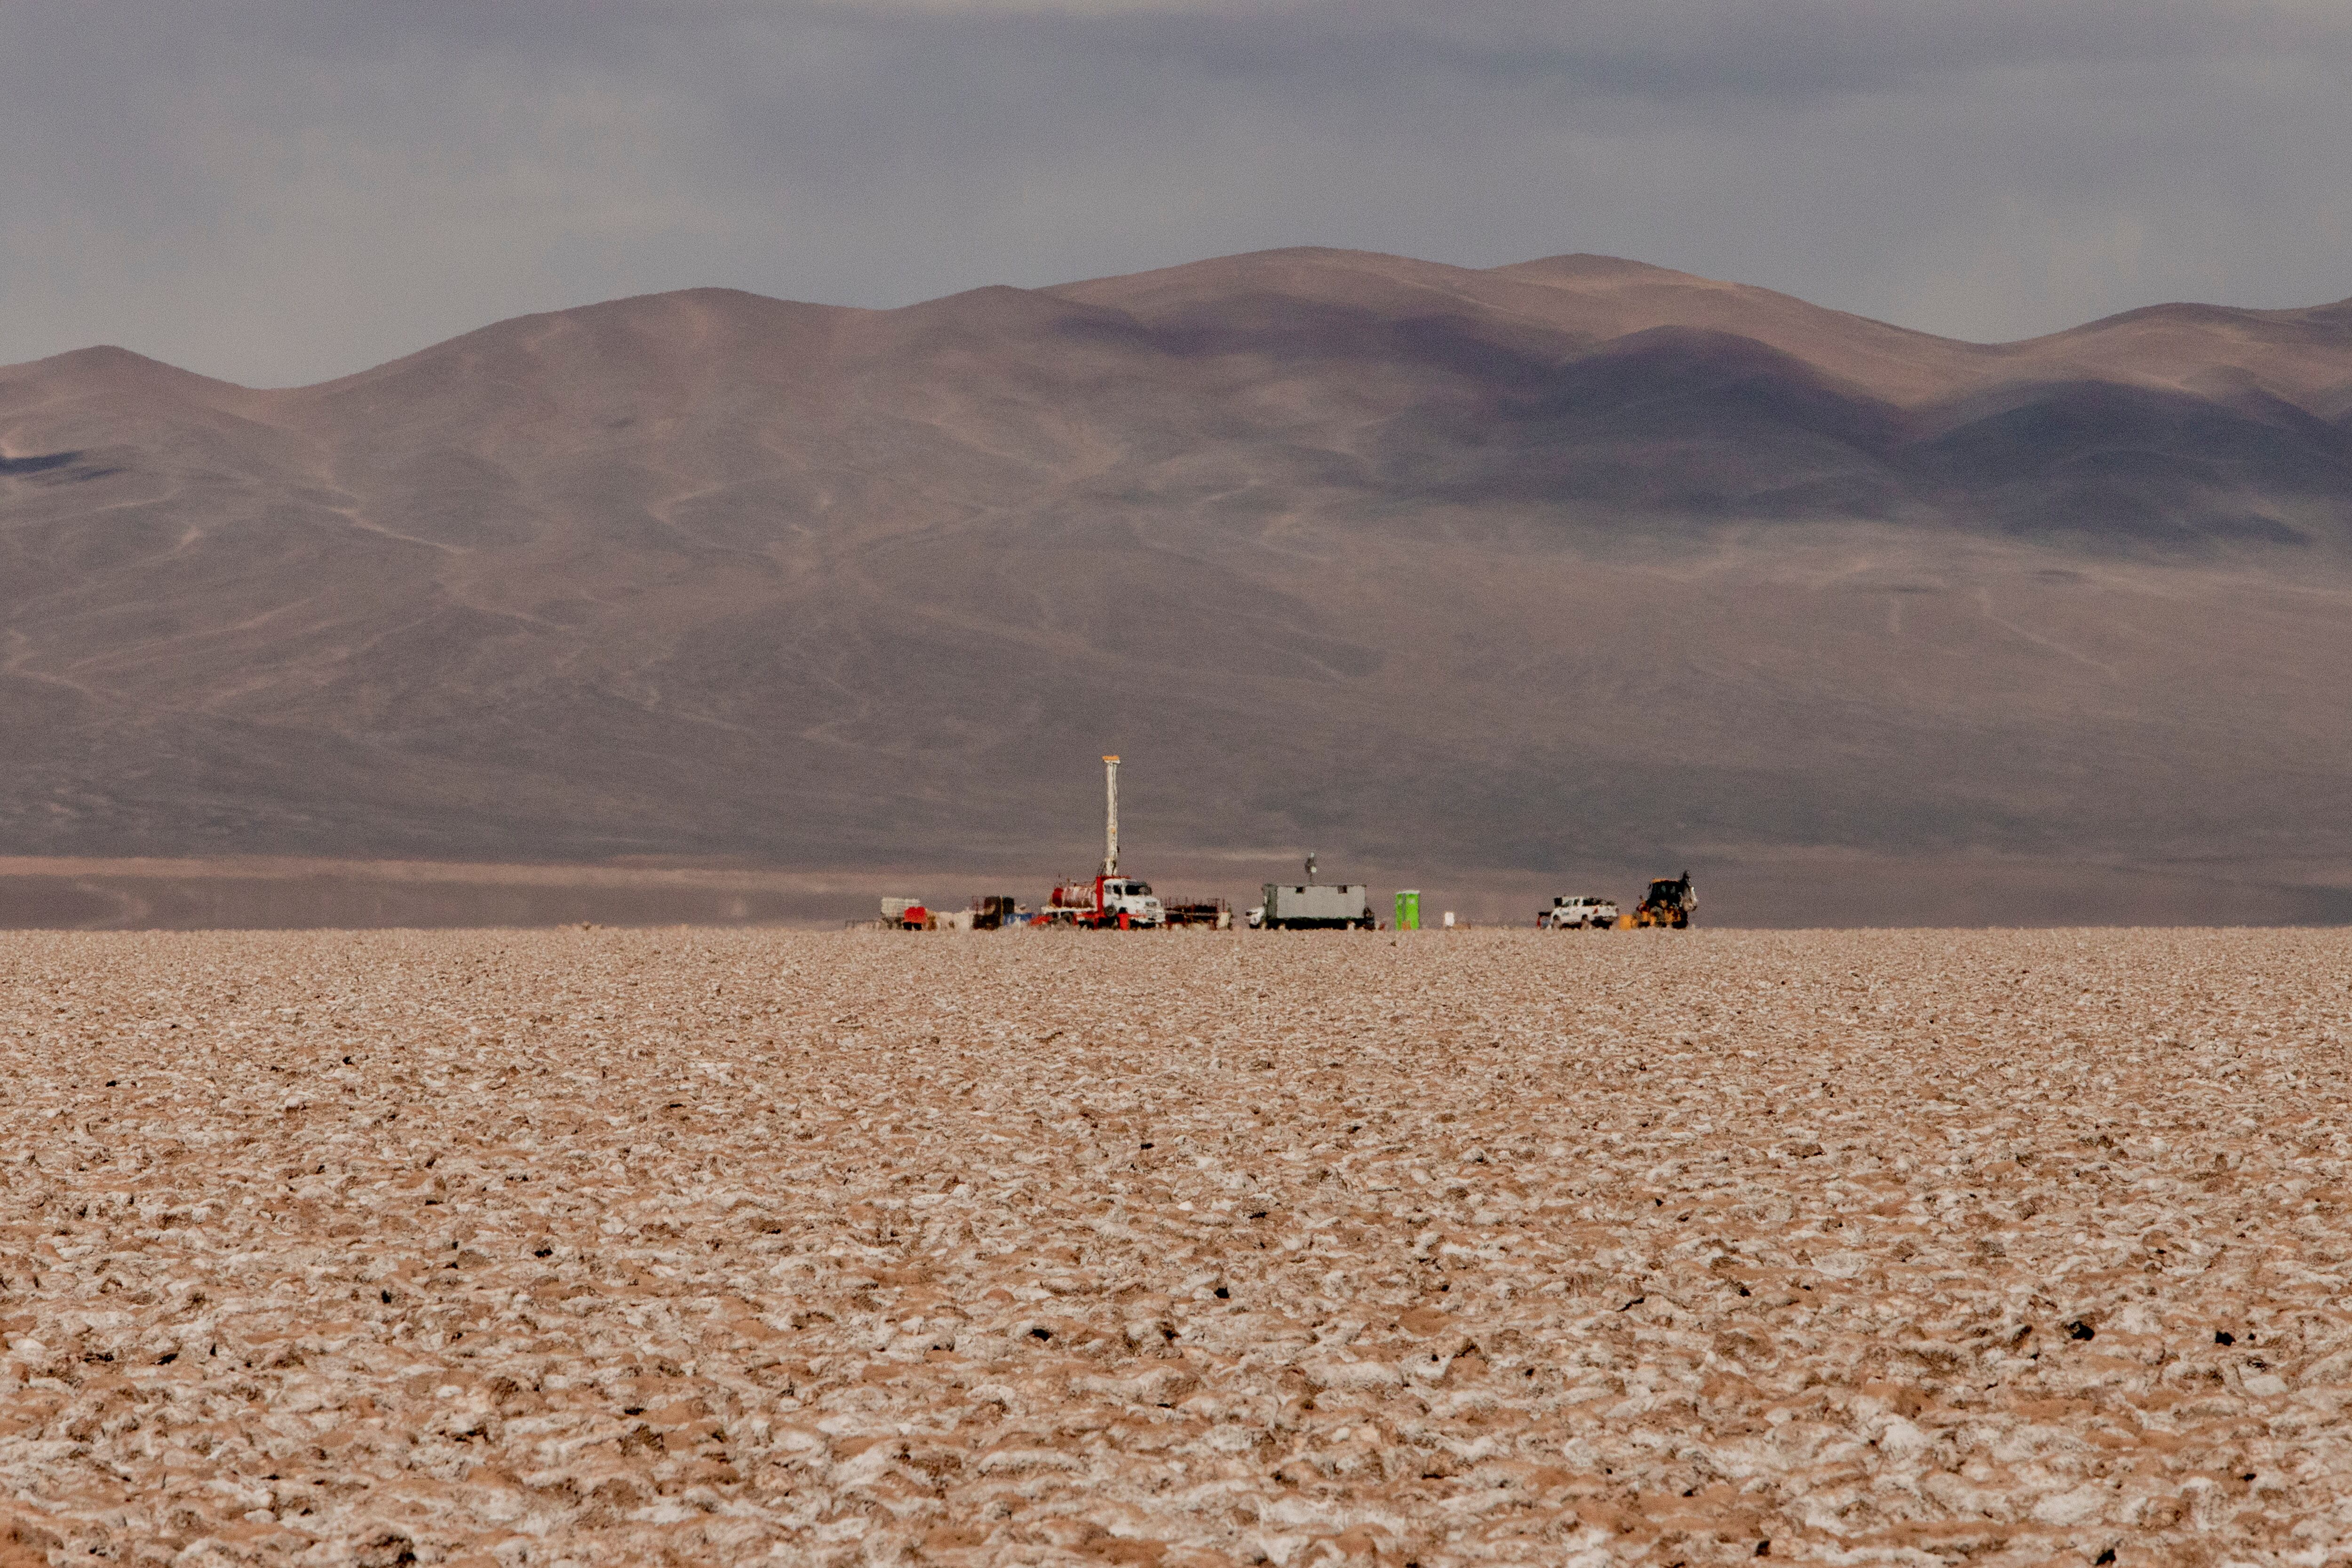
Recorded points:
(277, 191)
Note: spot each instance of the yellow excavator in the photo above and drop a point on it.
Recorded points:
(1669, 902)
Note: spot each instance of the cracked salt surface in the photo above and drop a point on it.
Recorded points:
(627, 1247)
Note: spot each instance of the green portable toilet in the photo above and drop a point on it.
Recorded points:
(1408, 909)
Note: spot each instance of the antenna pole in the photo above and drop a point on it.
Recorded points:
(1110, 821)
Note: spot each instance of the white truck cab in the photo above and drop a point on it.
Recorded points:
(1134, 898)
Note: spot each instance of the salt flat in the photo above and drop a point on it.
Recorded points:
(604, 1247)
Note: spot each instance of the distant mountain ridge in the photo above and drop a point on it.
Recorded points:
(1578, 561)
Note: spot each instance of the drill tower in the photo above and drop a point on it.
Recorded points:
(1110, 821)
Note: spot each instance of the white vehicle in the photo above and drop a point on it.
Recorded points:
(1136, 900)
(1583, 912)
(1254, 917)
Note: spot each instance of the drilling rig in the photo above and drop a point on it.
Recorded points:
(1113, 900)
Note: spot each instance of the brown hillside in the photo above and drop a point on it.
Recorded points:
(1577, 567)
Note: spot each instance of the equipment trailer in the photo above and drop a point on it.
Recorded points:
(1311, 905)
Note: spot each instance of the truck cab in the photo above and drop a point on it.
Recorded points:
(1130, 897)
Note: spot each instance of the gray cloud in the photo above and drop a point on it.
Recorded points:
(276, 191)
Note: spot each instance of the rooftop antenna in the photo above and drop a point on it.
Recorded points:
(1111, 823)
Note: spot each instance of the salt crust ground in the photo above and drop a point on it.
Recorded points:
(603, 1247)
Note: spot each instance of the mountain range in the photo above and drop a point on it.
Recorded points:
(1544, 576)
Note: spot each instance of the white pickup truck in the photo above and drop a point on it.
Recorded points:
(1580, 913)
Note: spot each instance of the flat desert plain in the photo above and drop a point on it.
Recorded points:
(599, 1247)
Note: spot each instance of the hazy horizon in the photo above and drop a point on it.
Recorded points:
(277, 194)
(1189, 261)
